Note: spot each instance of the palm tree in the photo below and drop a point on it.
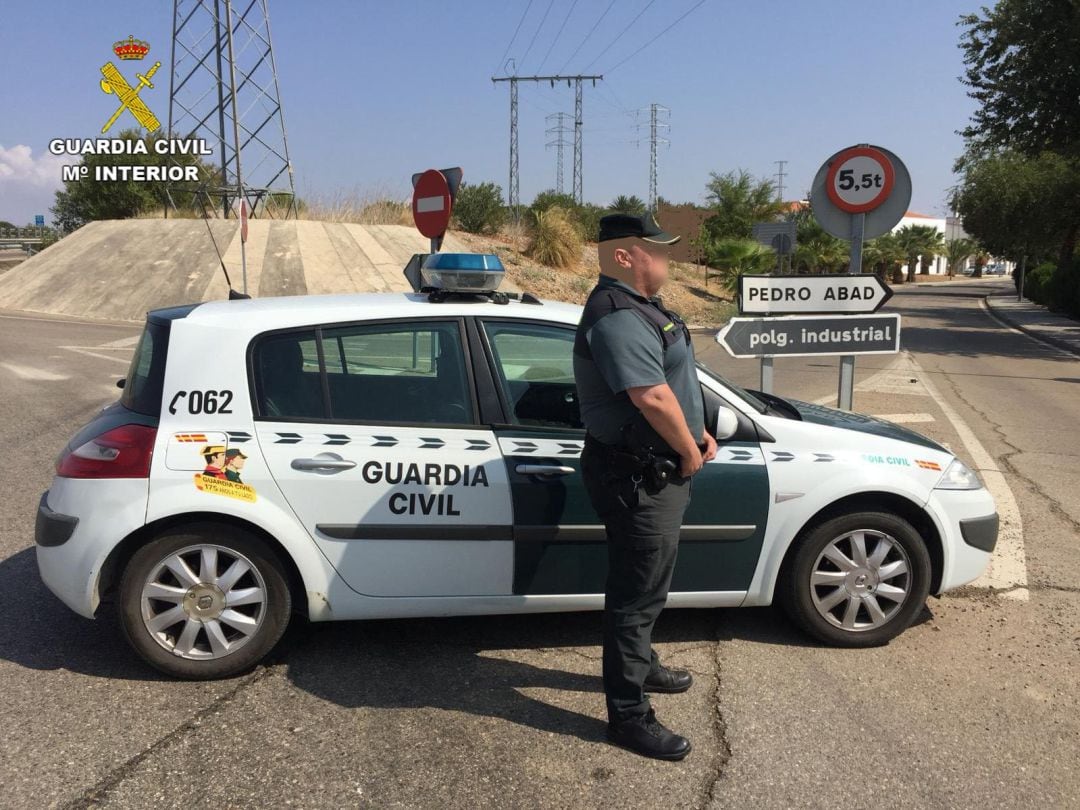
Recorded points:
(919, 240)
(982, 258)
(733, 257)
(884, 255)
(628, 205)
(933, 245)
(957, 252)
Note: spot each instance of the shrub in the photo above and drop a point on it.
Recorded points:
(554, 239)
(1035, 282)
(479, 208)
(588, 217)
(551, 199)
(1063, 289)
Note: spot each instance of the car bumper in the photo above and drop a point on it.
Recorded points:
(968, 524)
(79, 523)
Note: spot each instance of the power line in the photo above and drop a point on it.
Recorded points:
(510, 44)
(558, 34)
(617, 38)
(536, 33)
(582, 44)
(651, 41)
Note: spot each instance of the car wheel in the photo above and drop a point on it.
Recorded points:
(857, 580)
(204, 601)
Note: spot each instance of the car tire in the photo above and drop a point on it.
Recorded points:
(204, 601)
(851, 598)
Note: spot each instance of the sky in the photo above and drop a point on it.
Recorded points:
(374, 91)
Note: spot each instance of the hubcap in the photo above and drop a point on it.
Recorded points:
(203, 602)
(860, 580)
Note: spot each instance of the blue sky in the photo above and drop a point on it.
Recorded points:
(374, 91)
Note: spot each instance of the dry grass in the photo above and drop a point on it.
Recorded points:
(554, 240)
(361, 209)
(685, 291)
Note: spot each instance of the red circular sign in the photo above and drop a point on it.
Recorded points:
(859, 179)
(431, 204)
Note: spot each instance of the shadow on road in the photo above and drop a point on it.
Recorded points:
(37, 631)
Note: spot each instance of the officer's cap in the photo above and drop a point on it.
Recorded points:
(212, 450)
(645, 226)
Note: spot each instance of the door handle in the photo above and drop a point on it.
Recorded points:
(327, 463)
(543, 469)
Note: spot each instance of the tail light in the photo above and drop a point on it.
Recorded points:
(123, 452)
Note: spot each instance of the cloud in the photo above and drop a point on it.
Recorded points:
(27, 183)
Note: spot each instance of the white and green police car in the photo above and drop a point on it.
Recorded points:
(416, 454)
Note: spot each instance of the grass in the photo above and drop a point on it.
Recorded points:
(554, 239)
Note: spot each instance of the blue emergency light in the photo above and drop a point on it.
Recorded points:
(462, 272)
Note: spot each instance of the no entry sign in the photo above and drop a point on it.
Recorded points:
(431, 204)
(860, 179)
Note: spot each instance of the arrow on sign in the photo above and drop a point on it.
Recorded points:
(859, 294)
(809, 336)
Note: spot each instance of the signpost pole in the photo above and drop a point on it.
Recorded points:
(766, 375)
(845, 394)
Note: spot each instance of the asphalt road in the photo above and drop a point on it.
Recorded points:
(974, 706)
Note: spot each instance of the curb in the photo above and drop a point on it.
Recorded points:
(1057, 343)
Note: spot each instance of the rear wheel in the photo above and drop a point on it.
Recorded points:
(204, 601)
(857, 580)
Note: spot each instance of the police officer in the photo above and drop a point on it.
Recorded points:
(645, 438)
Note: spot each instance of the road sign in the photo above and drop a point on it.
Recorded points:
(859, 179)
(39, 220)
(431, 204)
(798, 335)
(803, 295)
(780, 236)
(886, 212)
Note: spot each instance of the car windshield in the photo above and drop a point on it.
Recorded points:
(737, 390)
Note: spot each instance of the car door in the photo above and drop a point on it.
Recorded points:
(560, 547)
(370, 430)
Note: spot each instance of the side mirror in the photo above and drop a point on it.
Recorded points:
(727, 423)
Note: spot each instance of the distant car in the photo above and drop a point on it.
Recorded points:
(417, 454)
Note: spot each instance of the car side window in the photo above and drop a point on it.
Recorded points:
(535, 367)
(287, 381)
(397, 373)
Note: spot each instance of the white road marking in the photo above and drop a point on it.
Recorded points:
(1008, 564)
(905, 418)
(31, 373)
(87, 350)
(893, 379)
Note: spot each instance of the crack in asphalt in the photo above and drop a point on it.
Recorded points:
(723, 752)
(1054, 506)
(94, 796)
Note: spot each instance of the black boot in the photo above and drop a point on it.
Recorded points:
(668, 680)
(647, 736)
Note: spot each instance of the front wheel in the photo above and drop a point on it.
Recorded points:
(857, 580)
(204, 602)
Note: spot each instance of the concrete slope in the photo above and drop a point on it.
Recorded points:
(119, 269)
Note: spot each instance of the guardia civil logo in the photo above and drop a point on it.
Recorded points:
(127, 94)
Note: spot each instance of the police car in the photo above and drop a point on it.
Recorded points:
(417, 454)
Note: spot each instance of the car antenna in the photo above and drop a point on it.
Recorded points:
(233, 294)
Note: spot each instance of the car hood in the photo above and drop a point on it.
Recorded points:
(845, 420)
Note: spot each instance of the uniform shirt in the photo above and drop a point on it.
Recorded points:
(627, 353)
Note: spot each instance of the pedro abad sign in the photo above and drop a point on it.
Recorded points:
(78, 147)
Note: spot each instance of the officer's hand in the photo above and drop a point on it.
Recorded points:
(690, 464)
(709, 453)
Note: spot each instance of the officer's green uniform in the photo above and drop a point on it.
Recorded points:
(626, 341)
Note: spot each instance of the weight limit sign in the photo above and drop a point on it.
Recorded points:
(860, 179)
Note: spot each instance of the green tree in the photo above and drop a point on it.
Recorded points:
(738, 200)
(916, 241)
(816, 250)
(627, 205)
(1014, 203)
(933, 245)
(551, 199)
(884, 255)
(733, 257)
(957, 252)
(479, 208)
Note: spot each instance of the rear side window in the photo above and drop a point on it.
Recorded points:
(412, 373)
(146, 375)
(288, 384)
